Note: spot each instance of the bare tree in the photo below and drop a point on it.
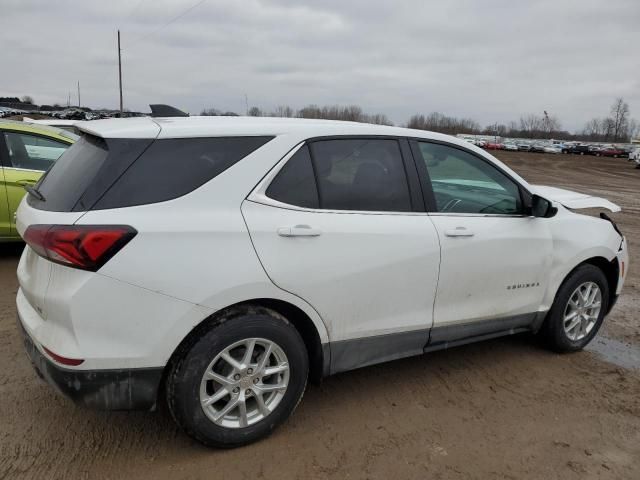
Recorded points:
(283, 111)
(210, 112)
(255, 112)
(438, 122)
(27, 99)
(593, 129)
(352, 113)
(531, 124)
(619, 120)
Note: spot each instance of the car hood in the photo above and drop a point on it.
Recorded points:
(574, 200)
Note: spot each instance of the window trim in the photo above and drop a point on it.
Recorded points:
(415, 196)
(427, 188)
(5, 160)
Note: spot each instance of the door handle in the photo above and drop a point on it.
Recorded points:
(458, 232)
(26, 182)
(299, 231)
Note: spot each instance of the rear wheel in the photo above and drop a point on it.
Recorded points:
(239, 380)
(578, 310)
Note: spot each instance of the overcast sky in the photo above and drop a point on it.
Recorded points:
(489, 60)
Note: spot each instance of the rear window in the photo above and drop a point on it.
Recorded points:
(98, 173)
(85, 171)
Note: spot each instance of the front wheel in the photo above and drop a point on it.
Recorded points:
(239, 379)
(578, 310)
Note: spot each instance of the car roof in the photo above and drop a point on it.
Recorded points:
(44, 130)
(185, 127)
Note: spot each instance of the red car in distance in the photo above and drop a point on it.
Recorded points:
(611, 152)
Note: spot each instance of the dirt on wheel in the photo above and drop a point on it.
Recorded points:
(504, 409)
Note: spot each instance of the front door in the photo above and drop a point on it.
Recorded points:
(351, 245)
(495, 259)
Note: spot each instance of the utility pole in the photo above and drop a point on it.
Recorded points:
(120, 71)
(79, 104)
(246, 103)
(547, 123)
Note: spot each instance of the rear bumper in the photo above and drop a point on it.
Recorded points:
(122, 389)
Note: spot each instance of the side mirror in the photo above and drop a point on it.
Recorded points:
(541, 207)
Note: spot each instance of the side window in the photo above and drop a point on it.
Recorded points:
(32, 152)
(464, 183)
(361, 174)
(295, 183)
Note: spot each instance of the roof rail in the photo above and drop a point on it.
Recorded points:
(162, 110)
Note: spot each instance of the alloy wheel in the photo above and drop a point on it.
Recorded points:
(244, 383)
(582, 311)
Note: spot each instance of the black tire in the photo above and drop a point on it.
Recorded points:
(553, 330)
(184, 378)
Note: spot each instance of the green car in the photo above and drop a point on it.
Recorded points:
(26, 152)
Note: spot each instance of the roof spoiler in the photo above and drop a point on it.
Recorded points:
(161, 110)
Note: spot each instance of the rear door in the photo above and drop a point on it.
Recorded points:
(27, 157)
(338, 224)
(5, 218)
(495, 258)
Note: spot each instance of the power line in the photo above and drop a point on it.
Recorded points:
(177, 17)
(134, 9)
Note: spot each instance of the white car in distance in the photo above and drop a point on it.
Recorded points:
(222, 262)
(552, 149)
(634, 156)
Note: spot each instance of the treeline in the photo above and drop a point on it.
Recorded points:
(438, 122)
(350, 113)
(617, 127)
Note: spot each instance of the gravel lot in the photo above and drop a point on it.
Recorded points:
(502, 409)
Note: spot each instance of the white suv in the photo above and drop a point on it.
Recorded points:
(221, 262)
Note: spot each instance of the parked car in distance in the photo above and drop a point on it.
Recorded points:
(537, 148)
(552, 149)
(512, 147)
(493, 146)
(611, 151)
(26, 152)
(578, 149)
(524, 147)
(634, 156)
(224, 261)
(594, 149)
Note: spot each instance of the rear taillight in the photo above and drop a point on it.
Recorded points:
(73, 362)
(87, 247)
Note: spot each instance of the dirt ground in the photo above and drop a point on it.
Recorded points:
(505, 409)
